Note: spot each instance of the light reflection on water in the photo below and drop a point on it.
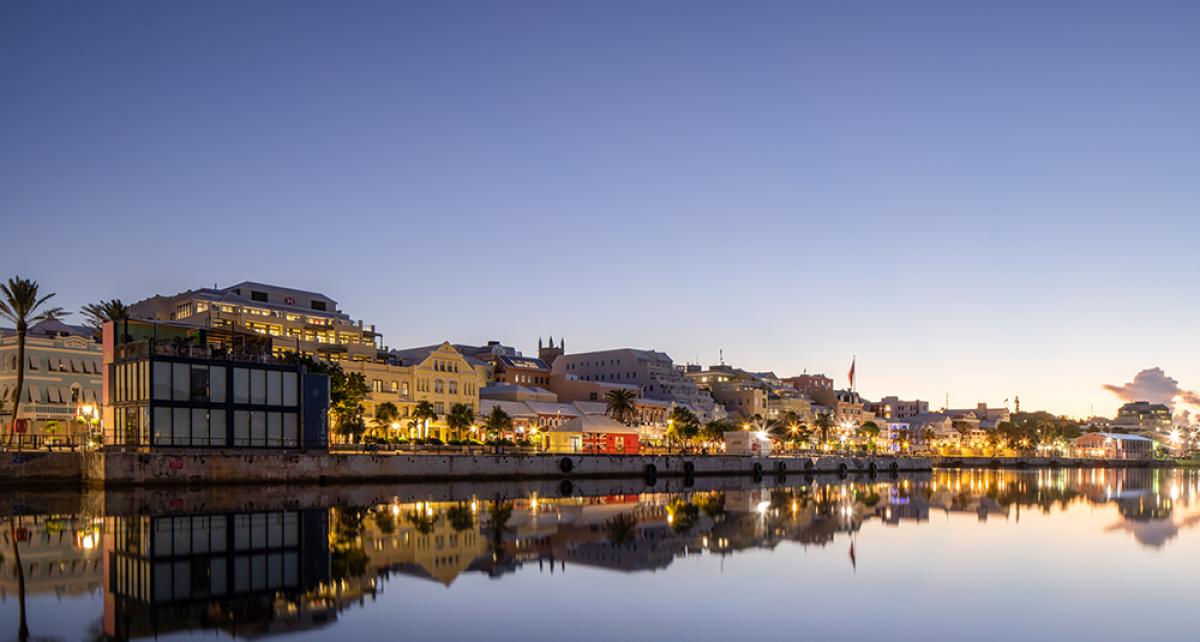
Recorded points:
(952, 555)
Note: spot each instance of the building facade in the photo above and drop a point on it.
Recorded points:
(175, 385)
(61, 393)
(295, 320)
(1143, 415)
(654, 372)
(896, 408)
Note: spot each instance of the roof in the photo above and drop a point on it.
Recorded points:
(594, 424)
(1119, 436)
(52, 328)
(524, 362)
(411, 356)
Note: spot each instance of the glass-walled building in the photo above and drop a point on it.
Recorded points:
(171, 385)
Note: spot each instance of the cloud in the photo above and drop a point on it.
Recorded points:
(1155, 386)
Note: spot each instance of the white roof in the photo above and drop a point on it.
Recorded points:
(594, 424)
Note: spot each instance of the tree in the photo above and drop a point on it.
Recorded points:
(460, 418)
(621, 405)
(97, 314)
(714, 431)
(824, 423)
(498, 422)
(423, 412)
(22, 306)
(386, 414)
(682, 425)
(347, 391)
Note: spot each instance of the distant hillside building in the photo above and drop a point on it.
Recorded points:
(654, 372)
(1144, 415)
(895, 408)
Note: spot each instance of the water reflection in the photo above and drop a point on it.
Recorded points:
(158, 564)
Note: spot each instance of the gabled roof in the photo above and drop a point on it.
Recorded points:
(52, 328)
(594, 424)
(413, 356)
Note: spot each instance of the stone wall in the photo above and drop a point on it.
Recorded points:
(39, 468)
(109, 469)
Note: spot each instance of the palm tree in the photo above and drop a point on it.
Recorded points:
(386, 414)
(621, 405)
(682, 425)
(498, 422)
(460, 418)
(424, 411)
(20, 305)
(824, 422)
(97, 314)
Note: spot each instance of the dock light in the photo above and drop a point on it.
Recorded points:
(88, 542)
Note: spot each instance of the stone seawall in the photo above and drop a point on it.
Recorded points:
(114, 469)
(1045, 462)
(40, 468)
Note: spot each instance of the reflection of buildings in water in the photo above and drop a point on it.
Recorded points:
(60, 555)
(248, 573)
(421, 540)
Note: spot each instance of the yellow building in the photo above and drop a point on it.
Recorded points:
(438, 374)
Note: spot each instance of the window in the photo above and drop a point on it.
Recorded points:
(199, 383)
(438, 386)
(453, 387)
(258, 296)
(377, 385)
(318, 305)
(181, 379)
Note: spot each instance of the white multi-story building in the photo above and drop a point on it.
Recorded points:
(654, 372)
(62, 378)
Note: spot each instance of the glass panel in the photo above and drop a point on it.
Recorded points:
(241, 385)
(216, 584)
(180, 381)
(199, 427)
(217, 428)
(241, 574)
(216, 384)
(274, 429)
(291, 436)
(241, 428)
(258, 428)
(199, 383)
(182, 426)
(162, 380)
(258, 386)
(274, 388)
(290, 389)
(162, 426)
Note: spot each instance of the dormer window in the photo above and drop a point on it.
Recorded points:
(258, 296)
(318, 305)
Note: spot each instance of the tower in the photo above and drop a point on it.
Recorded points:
(550, 352)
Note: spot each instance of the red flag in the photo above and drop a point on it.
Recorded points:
(852, 364)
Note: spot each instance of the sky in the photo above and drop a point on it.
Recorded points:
(978, 201)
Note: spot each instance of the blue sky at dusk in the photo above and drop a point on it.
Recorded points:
(977, 199)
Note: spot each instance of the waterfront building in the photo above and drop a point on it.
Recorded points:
(439, 374)
(295, 320)
(61, 393)
(653, 372)
(1109, 445)
(520, 370)
(170, 384)
(593, 434)
(1143, 415)
(895, 408)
